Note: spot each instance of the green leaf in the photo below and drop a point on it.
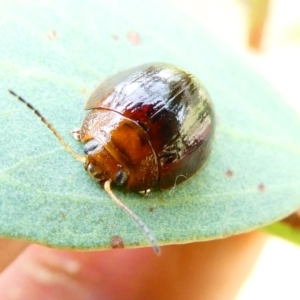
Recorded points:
(288, 228)
(285, 231)
(55, 53)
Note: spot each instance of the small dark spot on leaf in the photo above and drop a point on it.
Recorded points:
(151, 208)
(115, 37)
(134, 38)
(63, 215)
(116, 242)
(52, 35)
(261, 188)
(293, 220)
(229, 173)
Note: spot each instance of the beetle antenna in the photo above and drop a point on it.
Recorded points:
(139, 222)
(49, 125)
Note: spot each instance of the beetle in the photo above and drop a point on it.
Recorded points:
(151, 125)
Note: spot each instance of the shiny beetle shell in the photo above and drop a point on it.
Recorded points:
(149, 125)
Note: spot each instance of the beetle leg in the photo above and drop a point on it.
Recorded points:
(145, 192)
(75, 133)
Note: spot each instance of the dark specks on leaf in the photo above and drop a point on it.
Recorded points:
(229, 173)
(115, 37)
(261, 188)
(116, 242)
(151, 208)
(134, 38)
(52, 35)
(63, 215)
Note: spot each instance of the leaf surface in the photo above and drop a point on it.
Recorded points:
(54, 53)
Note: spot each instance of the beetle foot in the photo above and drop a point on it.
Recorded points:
(75, 133)
(145, 192)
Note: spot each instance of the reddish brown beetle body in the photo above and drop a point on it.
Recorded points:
(150, 124)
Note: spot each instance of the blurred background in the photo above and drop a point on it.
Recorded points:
(266, 33)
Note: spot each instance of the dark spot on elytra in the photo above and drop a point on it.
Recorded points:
(129, 125)
(144, 125)
(116, 242)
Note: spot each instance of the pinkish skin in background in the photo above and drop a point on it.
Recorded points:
(208, 270)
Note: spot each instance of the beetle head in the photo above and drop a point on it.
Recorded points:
(101, 165)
